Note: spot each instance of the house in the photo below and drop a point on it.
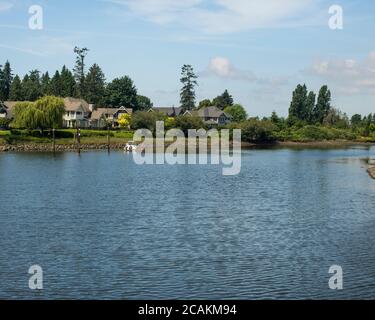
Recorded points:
(211, 116)
(77, 113)
(171, 112)
(9, 109)
(3, 110)
(100, 117)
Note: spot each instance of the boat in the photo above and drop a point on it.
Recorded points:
(130, 147)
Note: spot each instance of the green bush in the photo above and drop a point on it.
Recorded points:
(4, 123)
(188, 122)
(255, 130)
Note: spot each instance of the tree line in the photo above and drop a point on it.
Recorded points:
(78, 83)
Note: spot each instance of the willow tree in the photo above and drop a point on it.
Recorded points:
(45, 113)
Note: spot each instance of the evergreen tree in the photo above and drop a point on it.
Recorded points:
(223, 101)
(55, 85)
(79, 70)
(31, 86)
(16, 93)
(121, 92)
(323, 105)
(6, 78)
(46, 84)
(67, 83)
(95, 85)
(189, 83)
(2, 84)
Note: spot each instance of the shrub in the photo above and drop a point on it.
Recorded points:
(189, 122)
(254, 130)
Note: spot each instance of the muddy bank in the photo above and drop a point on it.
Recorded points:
(47, 147)
(371, 172)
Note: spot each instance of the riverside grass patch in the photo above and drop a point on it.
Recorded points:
(15, 136)
(314, 133)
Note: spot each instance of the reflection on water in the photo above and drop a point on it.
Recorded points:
(103, 227)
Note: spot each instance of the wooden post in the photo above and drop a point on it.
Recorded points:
(53, 141)
(108, 140)
(78, 139)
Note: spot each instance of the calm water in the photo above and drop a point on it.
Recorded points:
(102, 227)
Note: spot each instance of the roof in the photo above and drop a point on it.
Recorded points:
(73, 104)
(211, 112)
(9, 105)
(169, 111)
(100, 112)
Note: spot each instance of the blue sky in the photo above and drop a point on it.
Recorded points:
(258, 50)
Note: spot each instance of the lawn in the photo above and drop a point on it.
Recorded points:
(64, 136)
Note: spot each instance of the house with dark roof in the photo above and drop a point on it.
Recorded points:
(100, 117)
(211, 116)
(171, 112)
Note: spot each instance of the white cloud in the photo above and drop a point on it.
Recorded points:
(5, 5)
(351, 76)
(223, 68)
(221, 16)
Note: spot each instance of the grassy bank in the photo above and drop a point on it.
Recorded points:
(252, 136)
(64, 136)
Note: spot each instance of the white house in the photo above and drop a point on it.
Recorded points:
(77, 113)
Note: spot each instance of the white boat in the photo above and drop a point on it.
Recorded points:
(130, 147)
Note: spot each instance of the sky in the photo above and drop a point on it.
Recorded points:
(258, 50)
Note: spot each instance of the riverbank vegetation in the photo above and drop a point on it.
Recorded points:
(311, 116)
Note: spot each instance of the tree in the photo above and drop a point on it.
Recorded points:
(55, 85)
(121, 92)
(124, 120)
(298, 106)
(46, 84)
(6, 78)
(31, 86)
(205, 103)
(237, 112)
(144, 103)
(356, 121)
(189, 82)
(323, 105)
(146, 120)
(16, 93)
(95, 85)
(254, 130)
(335, 118)
(310, 105)
(46, 112)
(79, 70)
(187, 122)
(223, 101)
(67, 85)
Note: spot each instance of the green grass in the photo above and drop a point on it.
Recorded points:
(64, 136)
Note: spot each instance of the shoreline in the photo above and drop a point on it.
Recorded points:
(371, 172)
(48, 147)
